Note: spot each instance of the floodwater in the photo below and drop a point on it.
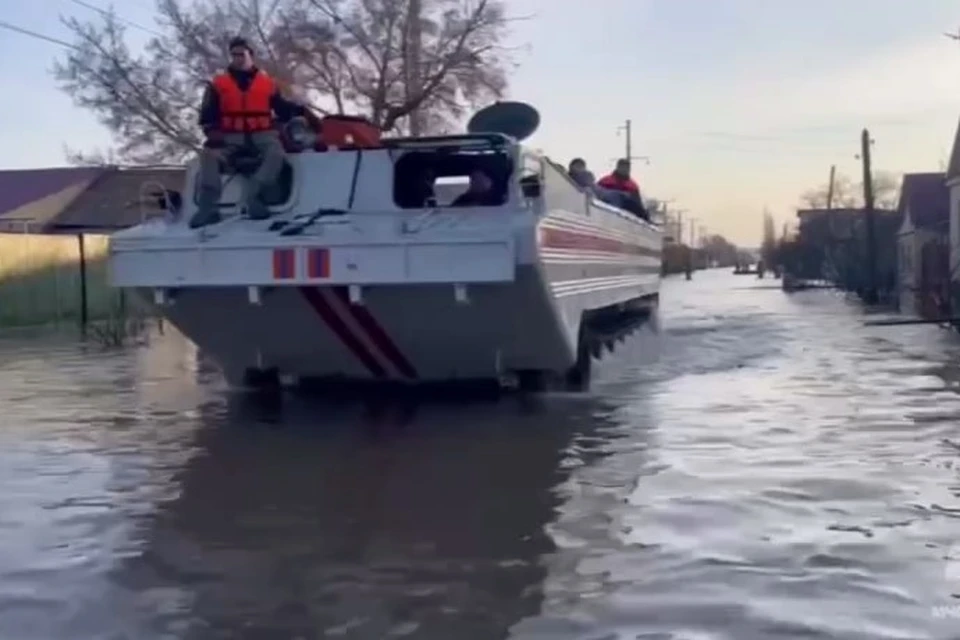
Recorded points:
(764, 467)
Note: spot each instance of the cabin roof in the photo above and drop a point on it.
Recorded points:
(953, 167)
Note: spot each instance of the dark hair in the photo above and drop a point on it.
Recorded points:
(239, 42)
(576, 161)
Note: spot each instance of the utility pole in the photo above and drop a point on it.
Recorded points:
(870, 294)
(627, 128)
(830, 186)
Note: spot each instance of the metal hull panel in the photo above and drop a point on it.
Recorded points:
(398, 333)
(382, 294)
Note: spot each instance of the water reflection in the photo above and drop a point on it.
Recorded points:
(426, 521)
(764, 467)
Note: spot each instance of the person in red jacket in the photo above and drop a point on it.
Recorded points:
(620, 179)
(620, 183)
(238, 111)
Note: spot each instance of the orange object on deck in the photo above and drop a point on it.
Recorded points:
(348, 131)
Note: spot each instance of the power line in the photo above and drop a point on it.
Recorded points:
(33, 34)
(9, 26)
(110, 14)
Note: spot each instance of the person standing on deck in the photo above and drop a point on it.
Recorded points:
(238, 111)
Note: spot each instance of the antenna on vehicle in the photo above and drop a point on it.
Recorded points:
(517, 120)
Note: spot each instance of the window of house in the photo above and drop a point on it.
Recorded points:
(443, 178)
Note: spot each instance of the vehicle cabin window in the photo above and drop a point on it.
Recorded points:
(443, 178)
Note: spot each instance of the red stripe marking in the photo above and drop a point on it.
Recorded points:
(283, 264)
(313, 296)
(565, 239)
(376, 333)
(318, 263)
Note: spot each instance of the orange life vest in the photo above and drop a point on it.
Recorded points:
(245, 111)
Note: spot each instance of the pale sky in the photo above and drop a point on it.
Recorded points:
(740, 104)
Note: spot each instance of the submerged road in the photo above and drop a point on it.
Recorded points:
(764, 467)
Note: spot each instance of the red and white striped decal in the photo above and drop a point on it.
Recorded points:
(561, 231)
(359, 332)
(318, 263)
(284, 264)
(554, 238)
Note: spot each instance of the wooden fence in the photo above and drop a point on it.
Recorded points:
(53, 279)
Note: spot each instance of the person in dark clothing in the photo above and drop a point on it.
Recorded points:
(619, 179)
(578, 172)
(240, 108)
(623, 191)
(480, 192)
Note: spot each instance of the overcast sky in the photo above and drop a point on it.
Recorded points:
(740, 104)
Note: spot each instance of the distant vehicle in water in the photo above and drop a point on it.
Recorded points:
(457, 258)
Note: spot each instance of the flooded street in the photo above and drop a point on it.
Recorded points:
(764, 467)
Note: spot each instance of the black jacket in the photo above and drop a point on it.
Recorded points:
(210, 106)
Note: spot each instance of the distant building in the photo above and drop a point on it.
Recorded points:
(923, 244)
(672, 230)
(953, 184)
(833, 245)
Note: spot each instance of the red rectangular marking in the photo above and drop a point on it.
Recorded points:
(318, 263)
(284, 264)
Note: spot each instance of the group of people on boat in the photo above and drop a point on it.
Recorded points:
(616, 188)
(239, 112)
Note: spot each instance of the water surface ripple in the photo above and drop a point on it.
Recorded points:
(757, 466)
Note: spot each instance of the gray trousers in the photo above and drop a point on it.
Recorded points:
(272, 153)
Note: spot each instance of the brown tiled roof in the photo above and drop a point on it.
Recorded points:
(118, 199)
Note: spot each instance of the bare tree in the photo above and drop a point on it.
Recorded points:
(849, 194)
(844, 194)
(341, 56)
(769, 242)
(886, 189)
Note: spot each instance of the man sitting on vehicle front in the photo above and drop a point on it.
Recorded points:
(237, 112)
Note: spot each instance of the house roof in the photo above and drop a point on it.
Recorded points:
(927, 198)
(953, 168)
(118, 199)
(22, 187)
